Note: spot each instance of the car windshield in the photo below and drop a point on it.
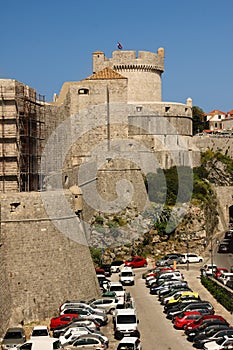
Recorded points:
(126, 319)
(13, 335)
(39, 333)
(117, 288)
(126, 274)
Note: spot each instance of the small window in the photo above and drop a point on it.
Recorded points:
(83, 91)
(167, 109)
(139, 108)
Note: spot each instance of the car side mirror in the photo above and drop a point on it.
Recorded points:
(137, 321)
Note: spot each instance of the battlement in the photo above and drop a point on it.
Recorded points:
(129, 60)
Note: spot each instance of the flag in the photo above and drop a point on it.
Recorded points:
(119, 45)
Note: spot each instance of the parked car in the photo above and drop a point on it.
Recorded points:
(224, 247)
(39, 344)
(107, 269)
(116, 266)
(203, 319)
(172, 293)
(126, 276)
(208, 269)
(118, 288)
(125, 324)
(211, 335)
(229, 283)
(13, 337)
(225, 276)
(74, 333)
(62, 320)
(107, 303)
(210, 324)
(87, 342)
(218, 344)
(182, 296)
(185, 318)
(132, 343)
(81, 305)
(40, 331)
(101, 318)
(136, 261)
(228, 234)
(92, 324)
(219, 271)
(191, 258)
(190, 307)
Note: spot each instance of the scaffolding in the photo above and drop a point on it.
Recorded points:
(21, 137)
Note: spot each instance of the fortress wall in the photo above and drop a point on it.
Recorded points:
(41, 266)
(223, 144)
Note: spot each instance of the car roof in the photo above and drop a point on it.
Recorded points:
(128, 340)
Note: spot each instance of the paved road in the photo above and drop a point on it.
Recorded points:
(157, 332)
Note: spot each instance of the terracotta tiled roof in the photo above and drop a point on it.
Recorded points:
(230, 112)
(216, 111)
(106, 73)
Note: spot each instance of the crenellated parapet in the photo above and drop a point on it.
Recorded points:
(129, 60)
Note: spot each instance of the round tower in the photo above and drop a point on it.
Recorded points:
(143, 72)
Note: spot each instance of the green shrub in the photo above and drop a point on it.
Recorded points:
(222, 295)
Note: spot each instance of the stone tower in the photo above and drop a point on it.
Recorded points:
(143, 72)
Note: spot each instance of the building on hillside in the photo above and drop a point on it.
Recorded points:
(215, 119)
(227, 123)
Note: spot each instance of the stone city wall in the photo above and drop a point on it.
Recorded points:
(41, 265)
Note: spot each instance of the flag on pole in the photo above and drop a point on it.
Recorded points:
(119, 45)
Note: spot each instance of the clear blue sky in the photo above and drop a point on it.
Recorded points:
(45, 43)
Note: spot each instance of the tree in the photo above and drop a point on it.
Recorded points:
(199, 124)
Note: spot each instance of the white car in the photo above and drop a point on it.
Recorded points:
(208, 269)
(74, 333)
(132, 343)
(108, 304)
(225, 276)
(40, 332)
(218, 344)
(39, 344)
(191, 258)
(118, 288)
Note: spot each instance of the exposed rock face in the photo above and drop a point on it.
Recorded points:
(218, 173)
(138, 234)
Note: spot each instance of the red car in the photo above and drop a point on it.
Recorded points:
(62, 320)
(220, 270)
(136, 261)
(202, 319)
(186, 318)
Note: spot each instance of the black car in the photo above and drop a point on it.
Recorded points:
(211, 335)
(107, 269)
(178, 305)
(172, 291)
(190, 307)
(192, 333)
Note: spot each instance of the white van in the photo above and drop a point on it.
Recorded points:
(126, 276)
(126, 324)
(39, 344)
(118, 288)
